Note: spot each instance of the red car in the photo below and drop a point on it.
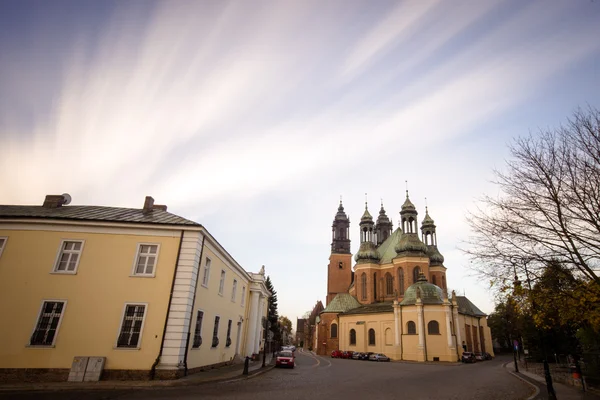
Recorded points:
(347, 354)
(336, 354)
(285, 359)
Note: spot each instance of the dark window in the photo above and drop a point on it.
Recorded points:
(333, 331)
(443, 282)
(389, 284)
(198, 330)
(131, 326)
(375, 286)
(433, 328)
(401, 280)
(47, 324)
(363, 283)
(228, 342)
(215, 341)
(433, 280)
(411, 328)
(416, 272)
(352, 336)
(371, 337)
(341, 265)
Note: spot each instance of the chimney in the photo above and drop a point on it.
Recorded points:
(53, 201)
(148, 204)
(160, 207)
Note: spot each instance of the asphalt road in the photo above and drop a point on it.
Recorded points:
(334, 379)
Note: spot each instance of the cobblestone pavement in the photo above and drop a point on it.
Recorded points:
(335, 379)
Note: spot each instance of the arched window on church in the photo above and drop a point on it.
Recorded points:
(333, 331)
(443, 282)
(363, 285)
(433, 328)
(416, 272)
(371, 337)
(433, 280)
(352, 337)
(401, 280)
(411, 328)
(389, 284)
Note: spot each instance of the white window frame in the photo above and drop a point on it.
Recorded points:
(5, 240)
(137, 256)
(37, 320)
(243, 296)
(222, 282)
(206, 272)
(60, 252)
(233, 290)
(116, 346)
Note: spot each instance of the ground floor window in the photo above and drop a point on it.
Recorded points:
(371, 337)
(131, 326)
(433, 328)
(411, 328)
(333, 331)
(352, 337)
(47, 323)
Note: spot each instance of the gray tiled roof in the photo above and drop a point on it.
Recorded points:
(95, 213)
(340, 303)
(372, 308)
(466, 307)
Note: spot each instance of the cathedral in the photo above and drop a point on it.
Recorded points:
(394, 299)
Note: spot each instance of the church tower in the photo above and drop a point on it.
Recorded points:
(339, 271)
(383, 227)
(437, 271)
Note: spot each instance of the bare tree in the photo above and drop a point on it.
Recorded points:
(548, 209)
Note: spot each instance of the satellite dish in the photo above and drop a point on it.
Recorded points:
(67, 198)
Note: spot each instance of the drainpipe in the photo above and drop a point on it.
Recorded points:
(401, 329)
(162, 340)
(187, 342)
(424, 333)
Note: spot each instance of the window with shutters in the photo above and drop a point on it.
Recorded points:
(198, 330)
(68, 256)
(411, 328)
(145, 260)
(48, 322)
(132, 325)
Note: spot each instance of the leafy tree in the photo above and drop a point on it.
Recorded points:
(285, 322)
(548, 209)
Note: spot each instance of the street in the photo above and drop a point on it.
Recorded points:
(336, 379)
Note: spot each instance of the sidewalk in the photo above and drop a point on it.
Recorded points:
(229, 373)
(563, 392)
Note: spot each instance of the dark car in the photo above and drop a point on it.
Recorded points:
(365, 356)
(356, 355)
(487, 356)
(336, 354)
(285, 359)
(468, 357)
(479, 356)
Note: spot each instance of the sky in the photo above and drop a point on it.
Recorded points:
(254, 117)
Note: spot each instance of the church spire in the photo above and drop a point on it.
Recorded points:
(340, 232)
(383, 227)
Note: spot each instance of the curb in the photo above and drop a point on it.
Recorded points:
(536, 387)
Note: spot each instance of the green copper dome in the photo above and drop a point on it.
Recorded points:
(427, 221)
(435, 256)
(410, 243)
(408, 205)
(427, 292)
(366, 216)
(367, 253)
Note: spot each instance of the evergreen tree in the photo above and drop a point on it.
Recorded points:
(273, 316)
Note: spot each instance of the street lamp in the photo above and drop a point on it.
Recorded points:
(547, 376)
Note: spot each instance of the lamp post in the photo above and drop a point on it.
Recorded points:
(547, 376)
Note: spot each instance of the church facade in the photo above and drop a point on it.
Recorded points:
(394, 299)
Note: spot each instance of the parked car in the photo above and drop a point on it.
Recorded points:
(347, 354)
(285, 359)
(378, 357)
(336, 354)
(468, 357)
(365, 356)
(487, 356)
(356, 355)
(479, 356)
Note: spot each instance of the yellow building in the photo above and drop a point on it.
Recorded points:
(152, 293)
(395, 299)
